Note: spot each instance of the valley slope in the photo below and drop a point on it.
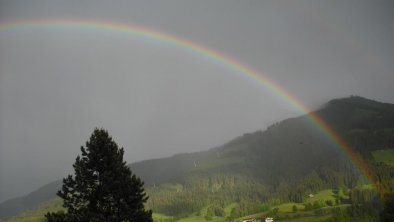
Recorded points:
(284, 163)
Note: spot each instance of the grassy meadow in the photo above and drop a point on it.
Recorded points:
(285, 211)
(385, 156)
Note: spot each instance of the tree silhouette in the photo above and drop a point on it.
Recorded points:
(103, 187)
(387, 214)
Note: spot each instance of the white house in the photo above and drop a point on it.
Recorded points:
(269, 219)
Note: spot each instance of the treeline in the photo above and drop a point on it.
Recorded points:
(288, 161)
(251, 194)
(365, 141)
(198, 191)
(254, 195)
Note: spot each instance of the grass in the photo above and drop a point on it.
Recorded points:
(288, 207)
(195, 218)
(306, 219)
(385, 156)
(229, 207)
(161, 217)
(285, 211)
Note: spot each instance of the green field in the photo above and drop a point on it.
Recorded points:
(161, 217)
(386, 156)
(285, 211)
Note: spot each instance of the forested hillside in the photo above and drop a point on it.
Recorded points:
(287, 162)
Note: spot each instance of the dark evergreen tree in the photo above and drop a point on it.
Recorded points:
(388, 212)
(103, 188)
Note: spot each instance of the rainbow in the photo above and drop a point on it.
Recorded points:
(209, 54)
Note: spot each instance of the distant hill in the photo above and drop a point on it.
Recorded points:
(292, 142)
(285, 162)
(16, 205)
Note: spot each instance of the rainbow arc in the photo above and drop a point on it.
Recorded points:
(207, 53)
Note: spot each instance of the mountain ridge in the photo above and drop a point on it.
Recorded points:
(272, 161)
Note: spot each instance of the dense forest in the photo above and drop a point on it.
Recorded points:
(286, 162)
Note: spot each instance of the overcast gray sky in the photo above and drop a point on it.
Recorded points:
(158, 100)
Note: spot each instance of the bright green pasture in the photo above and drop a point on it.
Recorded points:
(386, 156)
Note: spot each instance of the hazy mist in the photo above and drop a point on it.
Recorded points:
(156, 100)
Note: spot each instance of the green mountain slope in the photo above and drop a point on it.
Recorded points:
(366, 124)
(284, 163)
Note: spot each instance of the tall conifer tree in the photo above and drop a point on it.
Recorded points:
(103, 188)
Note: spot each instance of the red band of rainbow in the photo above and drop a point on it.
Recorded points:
(207, 53)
